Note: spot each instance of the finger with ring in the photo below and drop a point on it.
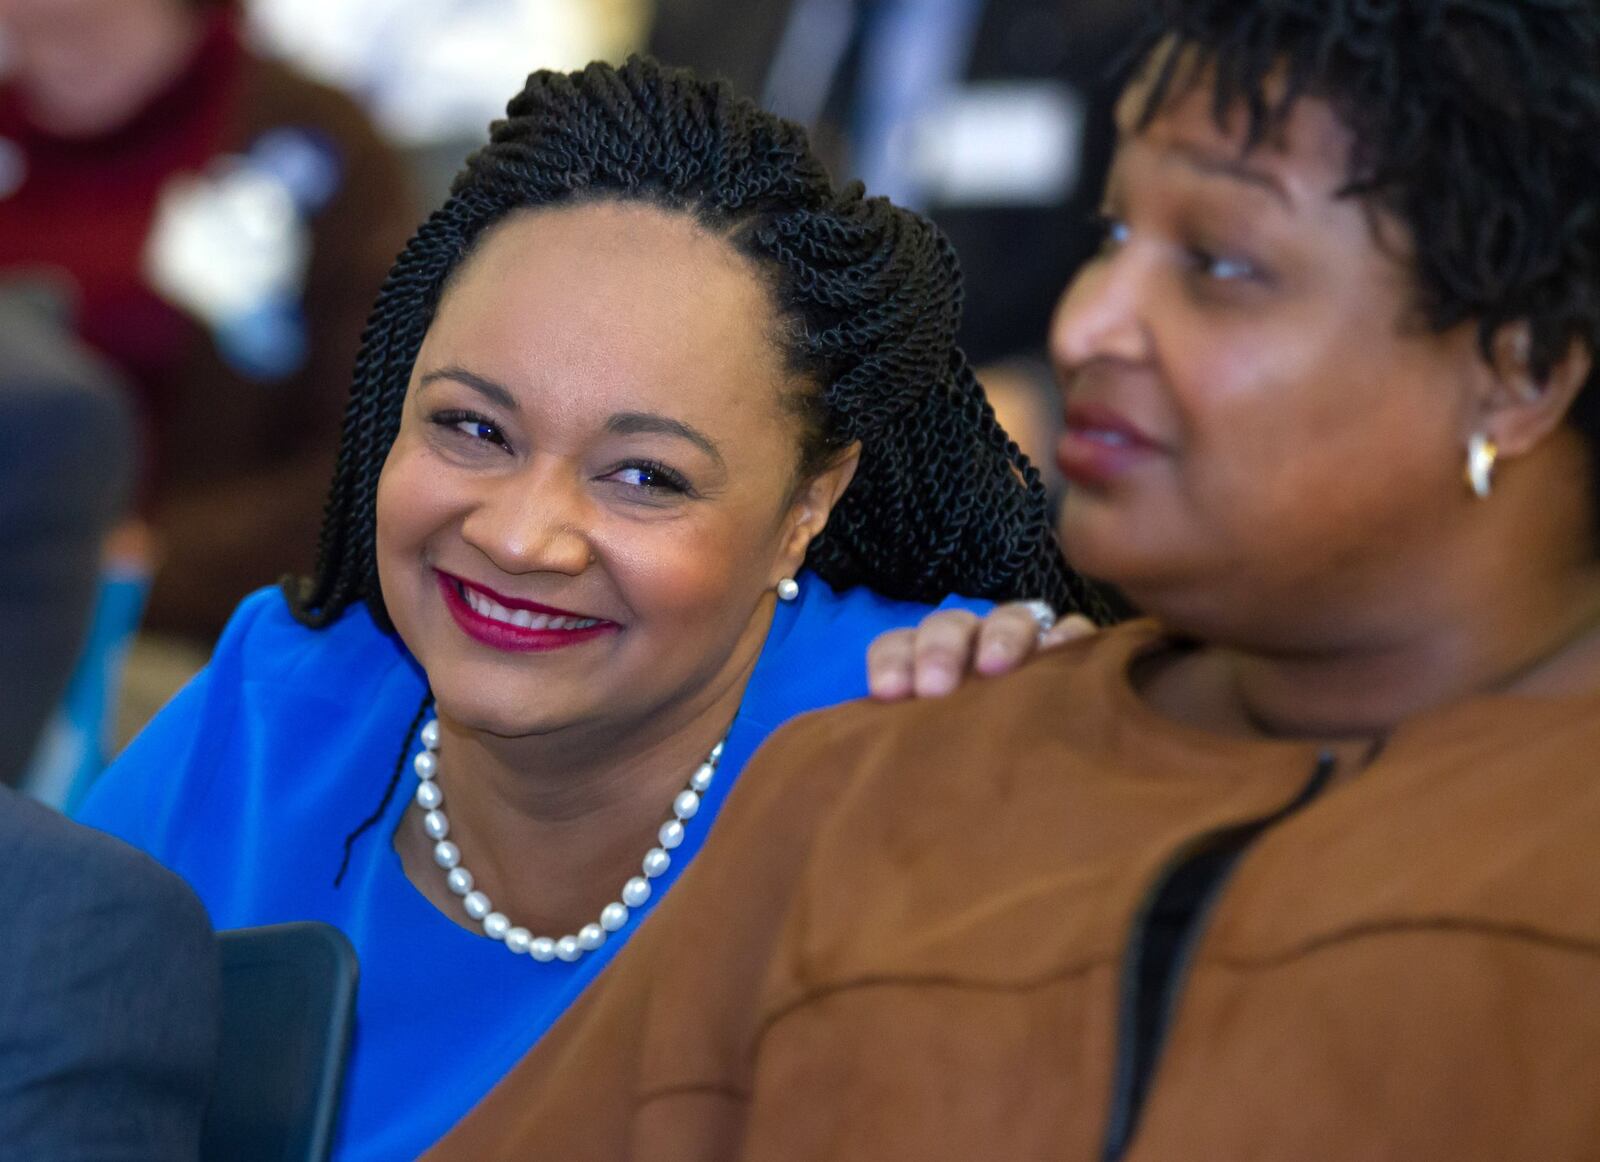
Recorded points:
(1042, 613)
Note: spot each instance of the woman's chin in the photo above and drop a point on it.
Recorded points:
(1103, 548)
(498, 718)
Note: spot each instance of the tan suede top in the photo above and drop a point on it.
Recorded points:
(905, 939)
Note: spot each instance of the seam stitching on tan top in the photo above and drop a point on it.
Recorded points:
(925, 981)
(693, 1088)
(1443, 925)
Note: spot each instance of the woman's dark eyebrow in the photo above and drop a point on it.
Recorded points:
(487, 388)
(1236, 169)
(637, 423)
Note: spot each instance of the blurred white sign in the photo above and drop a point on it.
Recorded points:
(1001, 143)
(433, 70)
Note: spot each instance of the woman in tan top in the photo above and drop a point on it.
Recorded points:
(1308, 866)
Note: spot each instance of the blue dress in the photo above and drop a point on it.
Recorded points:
(250, 779)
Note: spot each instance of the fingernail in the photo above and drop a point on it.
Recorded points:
(887, 686)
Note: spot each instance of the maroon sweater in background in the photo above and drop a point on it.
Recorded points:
(236, 469)
(80, 217)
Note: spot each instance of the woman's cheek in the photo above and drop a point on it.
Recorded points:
(690, 574)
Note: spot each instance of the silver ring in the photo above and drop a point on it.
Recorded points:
(1042, 613)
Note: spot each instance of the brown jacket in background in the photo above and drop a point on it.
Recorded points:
(245, 466)
(907, 939)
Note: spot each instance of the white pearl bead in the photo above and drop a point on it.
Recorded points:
(613, 917)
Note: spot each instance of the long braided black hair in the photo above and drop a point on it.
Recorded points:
(1475, 123)
(868, 298)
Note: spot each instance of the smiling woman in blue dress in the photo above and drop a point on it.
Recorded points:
(653, 431)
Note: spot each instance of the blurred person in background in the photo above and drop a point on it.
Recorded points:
(109, 1005)
(991, 116)
(219, 225)
(65, 464)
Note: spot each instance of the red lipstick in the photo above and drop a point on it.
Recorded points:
(1100, 445)
(484, 616)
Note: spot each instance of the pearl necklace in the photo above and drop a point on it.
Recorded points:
(495, 924)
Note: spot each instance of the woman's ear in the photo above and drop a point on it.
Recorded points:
(813, 504)
(1520, 408)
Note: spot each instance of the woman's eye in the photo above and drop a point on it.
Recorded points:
(653, 477)
(1114, 233)
(1223, 267)
(474, 427)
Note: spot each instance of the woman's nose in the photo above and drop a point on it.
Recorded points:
(532, 522)
(1101, 314)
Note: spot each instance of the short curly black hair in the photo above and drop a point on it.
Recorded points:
(868, 297)
(1476, 124)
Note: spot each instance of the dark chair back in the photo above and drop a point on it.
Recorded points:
(288, 1001)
